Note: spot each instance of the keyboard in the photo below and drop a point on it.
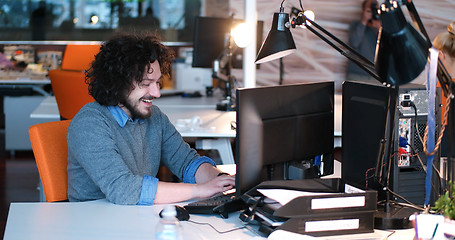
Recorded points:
(219, 204)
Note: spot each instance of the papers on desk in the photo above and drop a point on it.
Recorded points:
(284, 196)
(188, 124)
(404, 234)
(281, 234)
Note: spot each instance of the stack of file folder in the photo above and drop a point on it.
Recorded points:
(316, 207)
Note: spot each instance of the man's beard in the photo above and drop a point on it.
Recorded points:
(136, 114)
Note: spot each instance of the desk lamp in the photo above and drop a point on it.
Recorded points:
(237, 37)
(401, 55)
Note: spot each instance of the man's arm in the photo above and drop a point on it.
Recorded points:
(177, 192)
(206, 172)
(205, 182)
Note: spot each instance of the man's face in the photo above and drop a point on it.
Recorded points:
(139, 100)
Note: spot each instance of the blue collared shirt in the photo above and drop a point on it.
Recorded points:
(150, 183)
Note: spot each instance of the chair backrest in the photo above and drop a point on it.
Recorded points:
(78, 57)
(70, 90)
(51, 156)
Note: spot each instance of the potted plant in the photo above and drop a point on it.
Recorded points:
(445, 204)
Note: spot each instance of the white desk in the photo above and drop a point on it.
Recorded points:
(47, 109)
(18, 104)
(214, 123)
(103, 220)
(214, 131)
(100, 220)
(25, 81)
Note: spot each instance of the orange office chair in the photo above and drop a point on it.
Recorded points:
(78, 57)
(70, 90)
(51, 156)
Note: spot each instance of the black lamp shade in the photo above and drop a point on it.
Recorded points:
(279, 41)
(402, 52)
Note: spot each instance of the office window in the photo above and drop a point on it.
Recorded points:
(95, 20)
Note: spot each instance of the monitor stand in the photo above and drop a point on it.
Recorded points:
(395, 217)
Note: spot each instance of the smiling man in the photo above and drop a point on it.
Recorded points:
(117, 143)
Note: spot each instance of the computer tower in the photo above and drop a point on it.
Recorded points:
(409, 174)
(363, 129)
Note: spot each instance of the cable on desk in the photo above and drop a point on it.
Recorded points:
(391, 233)
(219, 232)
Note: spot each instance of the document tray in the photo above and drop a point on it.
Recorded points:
(340, 209)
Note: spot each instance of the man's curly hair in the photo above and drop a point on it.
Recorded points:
(121, 60)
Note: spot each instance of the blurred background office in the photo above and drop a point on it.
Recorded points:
(363, 36)
(96, 20)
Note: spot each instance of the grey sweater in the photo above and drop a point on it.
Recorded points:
(108, 161)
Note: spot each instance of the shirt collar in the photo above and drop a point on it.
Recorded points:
(121, 117)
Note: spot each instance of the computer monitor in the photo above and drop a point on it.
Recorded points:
(363, 124)
(210, 36)
(284, 132)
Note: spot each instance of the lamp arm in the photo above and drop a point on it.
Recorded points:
(351, 54)
(417, 20)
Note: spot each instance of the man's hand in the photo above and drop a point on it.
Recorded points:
(178, 192)
(216, 185)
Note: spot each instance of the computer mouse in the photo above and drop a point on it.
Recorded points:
(182, 213)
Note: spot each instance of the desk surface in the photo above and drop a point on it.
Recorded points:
(23, 77)
(24, 80)
(103, 220)
(214, 124)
